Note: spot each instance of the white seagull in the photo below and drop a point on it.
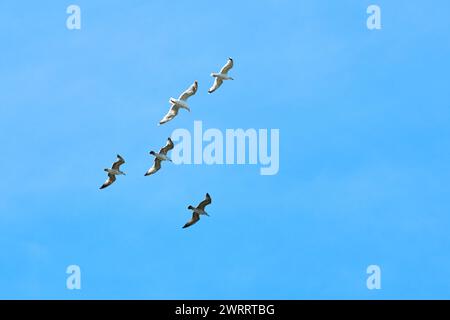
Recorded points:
(115, 170)
(198, 211)
(222, 75)
(179, 103)
(160, 156)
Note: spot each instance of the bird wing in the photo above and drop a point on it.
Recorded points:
(156, 166)
(109, 181)
(195, 218)
(173, 111)
(167, 147)
(189, 92)
(217, 83)
(205, 202)
(116, 165)
(227, 66)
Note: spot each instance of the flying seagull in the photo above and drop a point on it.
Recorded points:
(222, 75)
(198, 211)
(176, 104)
(160, 156)
(115, 170)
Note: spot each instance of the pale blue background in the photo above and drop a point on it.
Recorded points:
(365, 137)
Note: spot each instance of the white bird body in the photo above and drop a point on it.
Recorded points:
(161, 156)
(180, 103)
(200, 211)
(115, 172)
(222, 76)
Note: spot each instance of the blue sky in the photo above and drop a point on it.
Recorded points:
(364, 150)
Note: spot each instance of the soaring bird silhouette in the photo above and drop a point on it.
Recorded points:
(198, 211)
(221, 76)
(160, 156)
(176, 104)
(115, 170)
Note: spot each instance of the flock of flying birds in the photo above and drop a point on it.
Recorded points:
(175, 105)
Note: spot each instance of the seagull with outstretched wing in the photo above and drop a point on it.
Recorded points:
(198, 211)
(176, 104)
(221, 76)
(115, 170)
(160, 156)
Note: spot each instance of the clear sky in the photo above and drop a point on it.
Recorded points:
(364, 119)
